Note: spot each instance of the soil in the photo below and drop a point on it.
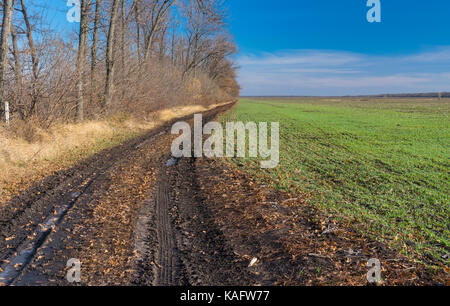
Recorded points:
(132, 220)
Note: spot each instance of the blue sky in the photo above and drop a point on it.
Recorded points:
(326, 47)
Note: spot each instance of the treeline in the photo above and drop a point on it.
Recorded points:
(415, 95)
(132, 56)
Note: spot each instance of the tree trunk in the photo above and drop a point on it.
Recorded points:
(34, 58)
(162, 44)
(82, 46)
(138, 30)
(8, 7)
(123, 31)
(122, 36)
(109, 87)
(18, 73)
(98, 4)
(17, 66)
(172, 51)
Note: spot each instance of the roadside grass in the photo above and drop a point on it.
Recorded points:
(23, 163)
(379, 165)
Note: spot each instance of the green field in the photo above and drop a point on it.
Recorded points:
(380, 164)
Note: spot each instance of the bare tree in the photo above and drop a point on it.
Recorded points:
(157, 12)
(109, 87)
(137, 9)
(17, 66)
(182, 54)
(123, 30)
(204, 37)
(98, 4)
(82, 46)
(8, 7)
(34, 58)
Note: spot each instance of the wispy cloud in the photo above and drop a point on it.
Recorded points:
(318, 72)
(303, 57)
(439, 55)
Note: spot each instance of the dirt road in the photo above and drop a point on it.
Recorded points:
(132, 220)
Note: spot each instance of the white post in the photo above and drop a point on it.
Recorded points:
(7, 113)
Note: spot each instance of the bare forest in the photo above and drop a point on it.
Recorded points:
(127, 56)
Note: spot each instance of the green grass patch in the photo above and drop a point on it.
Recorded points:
(381, 164)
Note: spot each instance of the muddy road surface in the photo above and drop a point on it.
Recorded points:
(130, 218)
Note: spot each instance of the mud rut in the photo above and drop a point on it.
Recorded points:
(32, 224)
(190, 249)
(166, 251)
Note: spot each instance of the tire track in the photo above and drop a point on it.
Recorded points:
(191, 250)
(169, 264)
(166, 252)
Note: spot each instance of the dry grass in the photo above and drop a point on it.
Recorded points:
(29, 153)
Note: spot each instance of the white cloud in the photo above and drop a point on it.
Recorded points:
(317, 72)
(303, 57)
(439, 55)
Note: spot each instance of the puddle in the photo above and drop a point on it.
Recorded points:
(171, 162)
(29, 248)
